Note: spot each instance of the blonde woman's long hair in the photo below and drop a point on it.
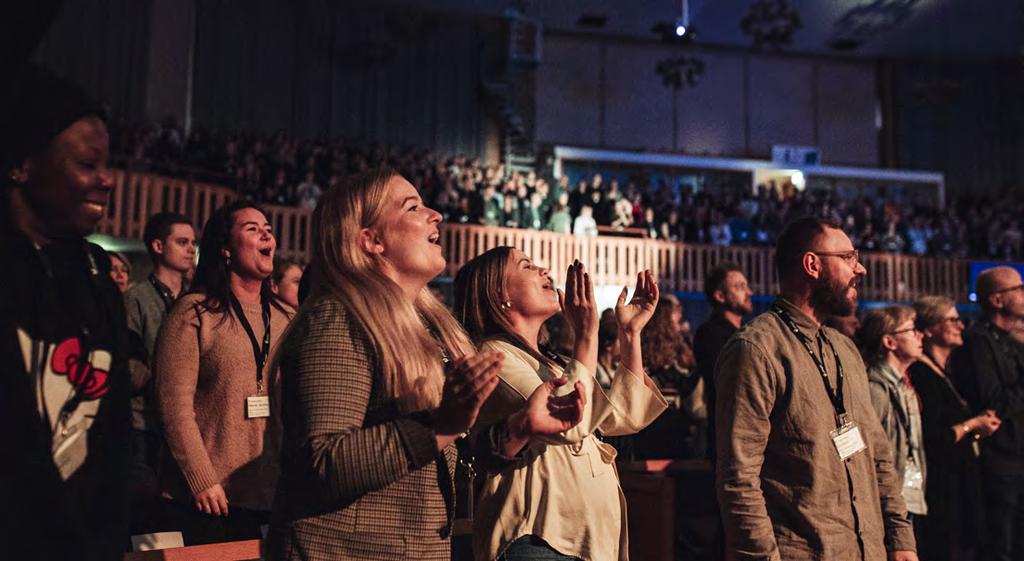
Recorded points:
(402, 334)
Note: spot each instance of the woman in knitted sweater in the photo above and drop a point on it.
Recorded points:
(214, 389)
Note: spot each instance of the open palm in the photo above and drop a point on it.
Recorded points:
(633, 316)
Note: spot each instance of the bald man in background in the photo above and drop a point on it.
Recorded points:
(989, 371)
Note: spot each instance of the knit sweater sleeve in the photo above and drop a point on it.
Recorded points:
(176, 376)
(329, 376)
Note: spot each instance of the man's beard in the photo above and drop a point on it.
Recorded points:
(828, 297)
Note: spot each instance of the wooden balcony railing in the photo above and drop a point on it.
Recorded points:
(612, 260)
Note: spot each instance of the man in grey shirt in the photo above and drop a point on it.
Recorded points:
(170, 241)
(804, 469)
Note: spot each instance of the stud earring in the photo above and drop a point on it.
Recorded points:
(506, 305)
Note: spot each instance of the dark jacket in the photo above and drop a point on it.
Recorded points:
(988, 370)
(956, 510)
(709, 340)
(61, 307)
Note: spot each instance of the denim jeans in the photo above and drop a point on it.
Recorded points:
(532, 548)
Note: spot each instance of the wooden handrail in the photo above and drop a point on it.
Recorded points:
(612, 260)
(247, 550)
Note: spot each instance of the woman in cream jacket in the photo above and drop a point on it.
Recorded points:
(553, 497)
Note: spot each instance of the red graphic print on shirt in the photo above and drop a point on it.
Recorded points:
(67, 360)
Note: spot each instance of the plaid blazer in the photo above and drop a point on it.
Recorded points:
(359, 480)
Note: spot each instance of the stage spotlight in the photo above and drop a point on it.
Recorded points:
(680, 27)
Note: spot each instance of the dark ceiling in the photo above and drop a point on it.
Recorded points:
(946, 29)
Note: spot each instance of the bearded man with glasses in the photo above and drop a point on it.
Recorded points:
(804, 468)
(989, 371)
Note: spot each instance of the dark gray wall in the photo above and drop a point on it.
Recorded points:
(600, 92)
(103, 45)
(317, 66)
(967, 121)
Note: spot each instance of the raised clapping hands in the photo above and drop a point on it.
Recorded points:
(580, 310)
(544, 414)
(577, 302)
(632, 317)
(467, 386)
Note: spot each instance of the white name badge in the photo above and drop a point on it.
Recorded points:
(913, 488)
(848, 440)
(257, 406)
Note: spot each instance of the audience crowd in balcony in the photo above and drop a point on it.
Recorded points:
(280, 169)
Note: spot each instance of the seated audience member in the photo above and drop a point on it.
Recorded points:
(556, 496)
(170, 241)
(560, 221)
(215, 390)
(585, 225)
(64, 382)
(378, 382)
(120, 270)
(955, 527)
(284, 282)
(891, 342)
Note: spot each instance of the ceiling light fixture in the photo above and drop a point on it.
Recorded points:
(683, 23)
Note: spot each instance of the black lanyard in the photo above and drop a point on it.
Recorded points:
(165, 293)
(835, 396)
(259, 354)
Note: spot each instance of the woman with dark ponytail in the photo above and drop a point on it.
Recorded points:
(214, 385)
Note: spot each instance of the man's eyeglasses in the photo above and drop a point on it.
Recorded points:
(956, 320)
(1010, 289)
(851, 257)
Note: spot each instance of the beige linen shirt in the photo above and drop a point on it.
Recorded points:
(783, 491)
(564, 489)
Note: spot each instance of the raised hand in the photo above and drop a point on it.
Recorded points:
(545, 414)
(467, 386)
(632, 317)
(578, 303)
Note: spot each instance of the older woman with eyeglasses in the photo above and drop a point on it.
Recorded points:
(891, 342)
(955, 522)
